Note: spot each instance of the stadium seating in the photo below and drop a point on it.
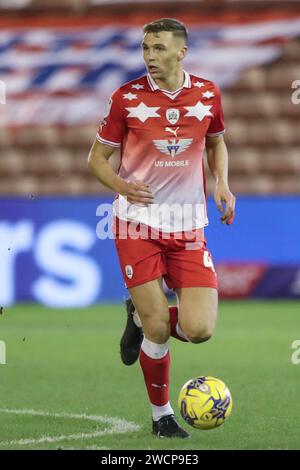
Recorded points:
(263, 128)
(262, 135)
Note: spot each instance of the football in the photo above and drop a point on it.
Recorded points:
(205, 402)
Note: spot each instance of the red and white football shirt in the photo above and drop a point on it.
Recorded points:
(162, 139)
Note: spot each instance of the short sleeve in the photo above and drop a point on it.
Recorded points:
(113, 126)
(217, 126)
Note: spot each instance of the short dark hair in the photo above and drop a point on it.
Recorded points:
(167, 24)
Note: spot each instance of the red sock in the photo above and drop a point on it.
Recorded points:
(157, 377)
(173, 312)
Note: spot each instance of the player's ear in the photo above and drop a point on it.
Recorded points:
(182, 53)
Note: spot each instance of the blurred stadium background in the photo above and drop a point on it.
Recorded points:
(59, 62)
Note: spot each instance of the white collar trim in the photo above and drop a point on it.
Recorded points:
(186, 84)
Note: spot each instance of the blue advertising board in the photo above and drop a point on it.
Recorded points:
(50, 251)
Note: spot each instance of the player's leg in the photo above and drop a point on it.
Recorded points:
(151, 303)
(190, 271)
(143, 264)
(197, 312)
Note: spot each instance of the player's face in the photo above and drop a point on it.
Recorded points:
(162, 53)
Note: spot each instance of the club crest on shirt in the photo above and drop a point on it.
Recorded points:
(172, 115)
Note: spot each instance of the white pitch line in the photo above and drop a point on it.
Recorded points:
(117, 426)
(51, 439)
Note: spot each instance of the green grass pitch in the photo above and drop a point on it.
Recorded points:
(64, 366)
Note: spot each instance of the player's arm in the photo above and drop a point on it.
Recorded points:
(98, 163)
(217, 158)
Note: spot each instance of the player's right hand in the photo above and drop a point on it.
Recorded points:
(138, 193)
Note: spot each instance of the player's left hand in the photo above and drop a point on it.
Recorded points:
(223, 194)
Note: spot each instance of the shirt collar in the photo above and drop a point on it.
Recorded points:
(154, 86)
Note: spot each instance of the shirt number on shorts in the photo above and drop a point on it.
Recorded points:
(207, 261)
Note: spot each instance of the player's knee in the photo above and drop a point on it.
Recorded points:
(200, 333)
(198, 338)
